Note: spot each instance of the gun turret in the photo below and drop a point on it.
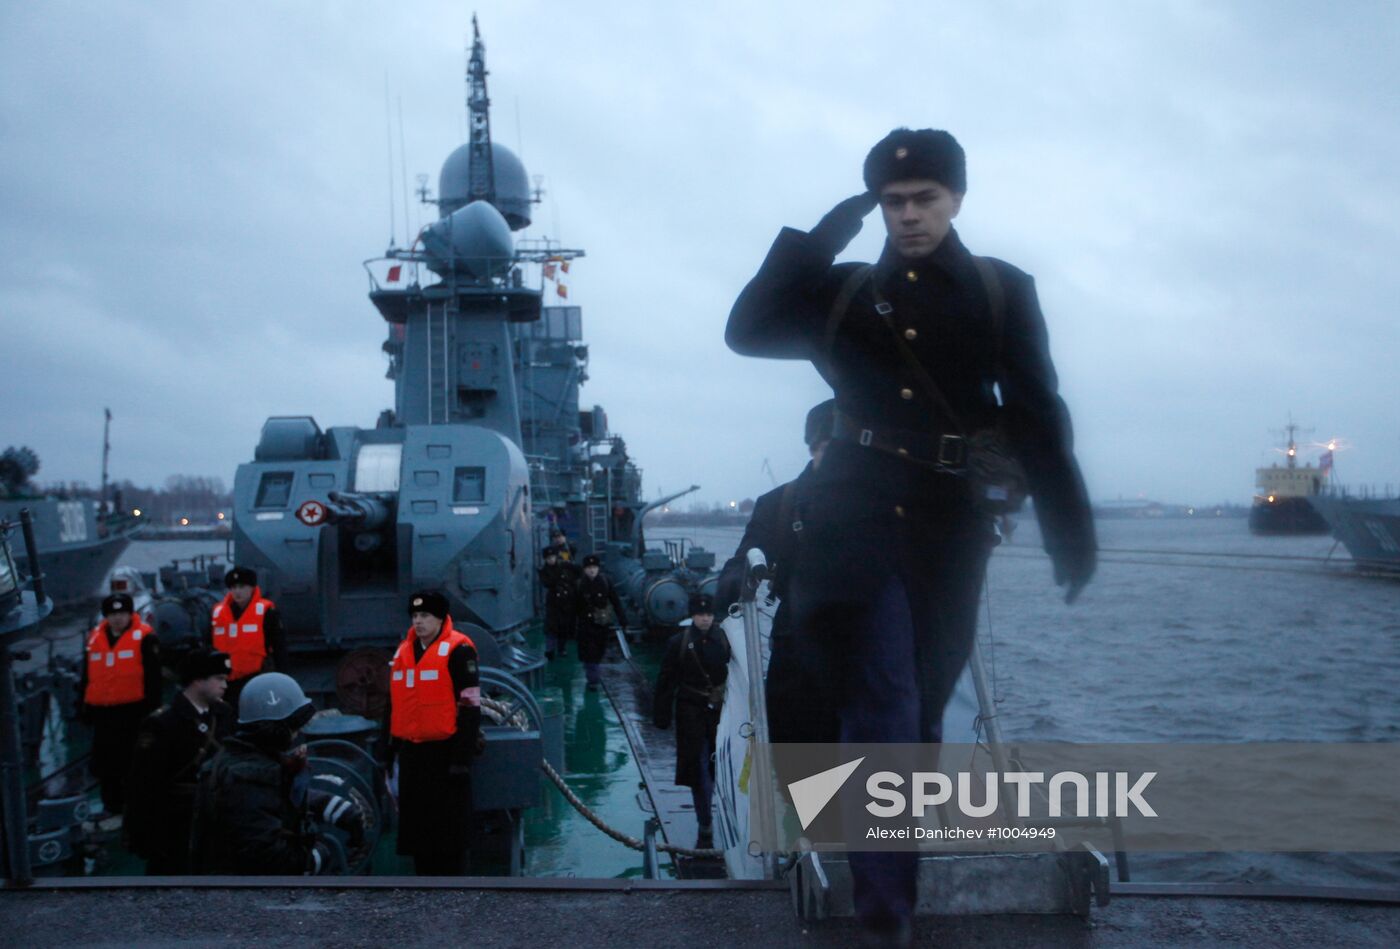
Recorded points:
(361, 511)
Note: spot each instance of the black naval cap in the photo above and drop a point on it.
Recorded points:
(821, 422)
(240, 575)
(702, 603)
(428, 601)
(203, 663)
(922, 153)
(117, 603)
(592, 561)
(550, 551)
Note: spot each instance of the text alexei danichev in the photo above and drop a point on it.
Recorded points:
(1112, 796)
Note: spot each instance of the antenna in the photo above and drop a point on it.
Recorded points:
(106, 452)
(403, 170)
(389, 140)
(482, 184)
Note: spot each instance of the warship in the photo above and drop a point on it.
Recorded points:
(484, 453)
(1282, 493)
(1367, 525)
(79, 539)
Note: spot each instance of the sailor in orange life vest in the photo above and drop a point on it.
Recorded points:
(435, 723)
(247, 626)
(120, 685)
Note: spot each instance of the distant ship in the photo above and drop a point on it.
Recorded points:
(77, 543)
(1369, 528)
(1282, 493)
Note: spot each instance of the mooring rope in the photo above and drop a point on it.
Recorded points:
(500, 709)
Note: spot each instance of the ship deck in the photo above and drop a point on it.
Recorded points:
(585, 913)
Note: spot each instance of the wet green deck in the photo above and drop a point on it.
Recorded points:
(600, 767)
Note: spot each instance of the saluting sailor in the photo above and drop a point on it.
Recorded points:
(898, 530)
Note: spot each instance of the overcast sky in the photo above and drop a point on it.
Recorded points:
(1207, 195)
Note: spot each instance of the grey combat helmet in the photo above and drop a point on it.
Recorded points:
(274, 697)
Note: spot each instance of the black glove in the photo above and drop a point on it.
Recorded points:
(321, 857)
(345, 814)
(1074, 567)
(842, 223)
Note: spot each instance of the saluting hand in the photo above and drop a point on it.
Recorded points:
(843, 222)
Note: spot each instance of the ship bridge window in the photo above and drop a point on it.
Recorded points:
(469, 486)
(561, 323)
(274, 490)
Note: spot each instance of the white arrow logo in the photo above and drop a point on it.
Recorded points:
(811, 794)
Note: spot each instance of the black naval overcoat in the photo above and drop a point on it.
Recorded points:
(875, 520)
(766, 531)
(694, 662)
(942, 310)
(594, 595)
(171, 746)
(560, 582)
(791, 717)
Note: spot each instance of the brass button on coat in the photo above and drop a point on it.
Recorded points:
(906, 394)
(912, 276)
(901, 451)
(899, 510)
(911, 333)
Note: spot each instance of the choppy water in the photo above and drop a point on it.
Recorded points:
(1228, 638)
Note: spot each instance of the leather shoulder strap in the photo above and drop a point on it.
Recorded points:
(996, 297)
(916, 368)
(839, 308)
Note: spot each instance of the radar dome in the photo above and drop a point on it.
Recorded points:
(472, 240)
(512, 184)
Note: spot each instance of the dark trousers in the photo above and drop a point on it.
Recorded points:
(883, 667)
(558, 630)
(114, 729)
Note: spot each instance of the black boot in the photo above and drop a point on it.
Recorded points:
(706, 838)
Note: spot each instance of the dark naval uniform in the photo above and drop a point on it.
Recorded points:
(171, 746)
(253, 815)
(560, 583)
(599, 610)
(892, 553)
(690, 689)
(791, 714)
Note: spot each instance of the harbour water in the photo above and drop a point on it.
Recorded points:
(1192, 631)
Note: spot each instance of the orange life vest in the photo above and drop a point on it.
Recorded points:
(116, 674)
(242, 638)
(423, 704)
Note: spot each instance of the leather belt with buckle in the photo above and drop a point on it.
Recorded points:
(943, 450)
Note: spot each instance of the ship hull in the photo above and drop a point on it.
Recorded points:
(73, 553)
(1369, 529)
(1286, 516)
